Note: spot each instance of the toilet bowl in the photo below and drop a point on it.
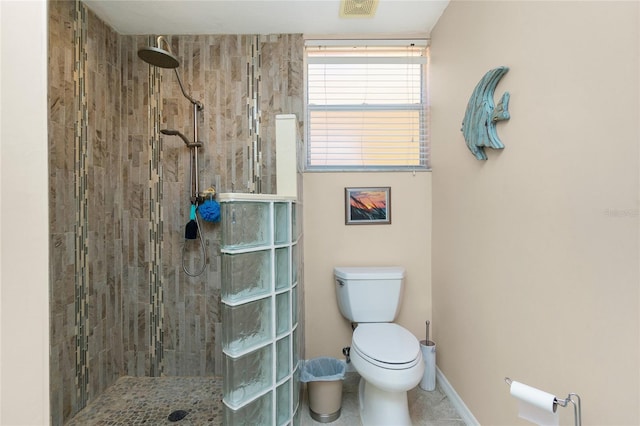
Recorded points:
(389, 361)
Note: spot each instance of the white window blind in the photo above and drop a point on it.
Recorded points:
(366, 106)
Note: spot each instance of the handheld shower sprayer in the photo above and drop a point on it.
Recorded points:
(189, 144)
(171, 132)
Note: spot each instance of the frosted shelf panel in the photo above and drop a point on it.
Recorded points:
(244, 326)
(282, 268)
(283, 309)
(246, 225)
(258, 412)
(294, 305)
(246, 376)
(296, 390)
(294, 266)
(296, 349)
(296, 228)
(281, 223)
(283, 402)
(282, 358)
(245, 275)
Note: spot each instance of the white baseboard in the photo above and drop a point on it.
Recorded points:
(456, 401)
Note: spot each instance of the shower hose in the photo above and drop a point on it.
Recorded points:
(202, 249)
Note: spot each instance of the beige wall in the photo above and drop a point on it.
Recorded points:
(328, 242)
(24, 256)
(535, 251)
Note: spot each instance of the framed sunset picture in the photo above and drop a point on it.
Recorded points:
(367, 206)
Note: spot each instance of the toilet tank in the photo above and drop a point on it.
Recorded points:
(369, 294)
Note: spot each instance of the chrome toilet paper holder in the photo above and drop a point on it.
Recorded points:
(572, 398)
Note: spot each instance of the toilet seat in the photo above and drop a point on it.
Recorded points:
(386, 345)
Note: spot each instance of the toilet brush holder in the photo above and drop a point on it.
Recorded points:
(428, 348)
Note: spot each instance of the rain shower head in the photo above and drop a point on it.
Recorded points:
(157, 56)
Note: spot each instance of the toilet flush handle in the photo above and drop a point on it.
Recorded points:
(340, 283)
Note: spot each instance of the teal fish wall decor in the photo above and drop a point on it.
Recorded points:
(479, 124)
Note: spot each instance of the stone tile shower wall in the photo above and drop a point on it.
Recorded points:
(86, 210)
(62, 271)
(120, 303)
(243, 81)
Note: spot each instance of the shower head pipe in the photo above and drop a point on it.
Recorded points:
(164, 58)
(196, 103)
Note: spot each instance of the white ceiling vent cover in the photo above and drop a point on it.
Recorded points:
(358, 8)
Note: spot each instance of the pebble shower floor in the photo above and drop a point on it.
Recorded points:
(150, 401)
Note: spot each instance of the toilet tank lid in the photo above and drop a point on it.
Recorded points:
(368, 272)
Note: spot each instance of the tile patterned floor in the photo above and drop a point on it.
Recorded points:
(150, 400)
(426, 408)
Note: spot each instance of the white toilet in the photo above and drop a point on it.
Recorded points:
(386, 355)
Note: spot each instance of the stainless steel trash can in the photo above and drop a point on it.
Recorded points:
(325, 400)
(324, 378)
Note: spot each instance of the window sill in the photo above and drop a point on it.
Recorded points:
(366, 170)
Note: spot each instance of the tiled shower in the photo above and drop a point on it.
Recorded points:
(120, 302)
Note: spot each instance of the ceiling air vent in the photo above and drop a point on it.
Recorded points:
(358, 8)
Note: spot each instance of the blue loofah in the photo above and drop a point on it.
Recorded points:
(210, 211)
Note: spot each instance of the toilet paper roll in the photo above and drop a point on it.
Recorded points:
(535, 405)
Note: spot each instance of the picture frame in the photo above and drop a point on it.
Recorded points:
(368, 205)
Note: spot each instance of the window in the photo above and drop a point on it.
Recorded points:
(366, 105)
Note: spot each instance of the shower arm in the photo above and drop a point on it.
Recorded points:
(196, 103)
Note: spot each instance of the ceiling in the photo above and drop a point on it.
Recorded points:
(320, 17)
